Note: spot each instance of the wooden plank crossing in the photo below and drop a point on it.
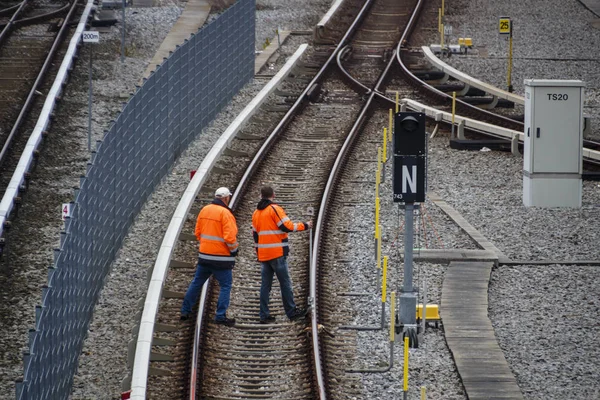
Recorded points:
(470, 335)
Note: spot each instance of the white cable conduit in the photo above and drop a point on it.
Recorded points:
(320, 27)
(461, 76)
(18, 177)
(146, 332)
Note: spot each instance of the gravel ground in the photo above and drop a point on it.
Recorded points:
(545, 317)
(484, 186)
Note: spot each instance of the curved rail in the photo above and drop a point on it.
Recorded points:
(27, 158)
(296, 107)
(496, 118)
(43, 17)
(10, 9)
(7, 28)
(340, 161)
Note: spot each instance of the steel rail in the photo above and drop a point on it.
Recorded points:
(270, 142)
(43, 17)
(8, 27)
(10, 9)
(18, 177)
(299, 103)
(338, 166)
(38, 81)
(419, 84)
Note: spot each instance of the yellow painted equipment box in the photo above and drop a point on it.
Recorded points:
(431, 312)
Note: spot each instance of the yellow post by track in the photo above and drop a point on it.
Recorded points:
(405, 383)
(390, 125)
(397, 101)
(384, 281)
(453, 112)
(423, 393)
(378, 248)
(510, 57)
(392, 316)
(385, 144)
(441, 28)
(505, 28)
(377, 218)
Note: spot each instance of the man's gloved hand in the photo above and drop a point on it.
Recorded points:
(234, 253)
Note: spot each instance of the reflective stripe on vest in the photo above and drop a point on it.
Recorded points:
(215, 258)
(282, 221)
(271, 245)
(210, 237)
(277, 232)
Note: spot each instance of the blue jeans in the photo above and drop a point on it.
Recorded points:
(277, 267)
(203, 272)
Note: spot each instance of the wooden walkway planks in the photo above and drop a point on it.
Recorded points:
(469, 333)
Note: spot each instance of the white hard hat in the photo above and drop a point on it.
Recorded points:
(222, 192)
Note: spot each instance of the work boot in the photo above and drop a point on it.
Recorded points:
(299, 313)
(268, 320)
(225, 321)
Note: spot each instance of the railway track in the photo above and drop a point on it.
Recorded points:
(283, 360)
(254, 360)
(32, 37)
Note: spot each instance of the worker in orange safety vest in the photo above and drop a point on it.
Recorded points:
(216, 229)
(270, 227)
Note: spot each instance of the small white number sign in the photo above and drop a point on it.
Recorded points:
(91, 36)
(66, 210)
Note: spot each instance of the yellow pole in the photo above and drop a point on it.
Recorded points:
(390, 125)
(453, 106)
(383, 283)
(443, 8)
(397, 101)
(453, 113)
(378, 248)
(378, 176)
(385, 144)
(392, 316)
(510, 50)
(441, 26)
(406, 363)
(423, 393)
(377, 218)
(376, 184)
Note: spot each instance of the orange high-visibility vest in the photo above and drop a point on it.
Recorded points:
(270, 226)
(216, 230)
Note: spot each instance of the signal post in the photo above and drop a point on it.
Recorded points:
(409, 186)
